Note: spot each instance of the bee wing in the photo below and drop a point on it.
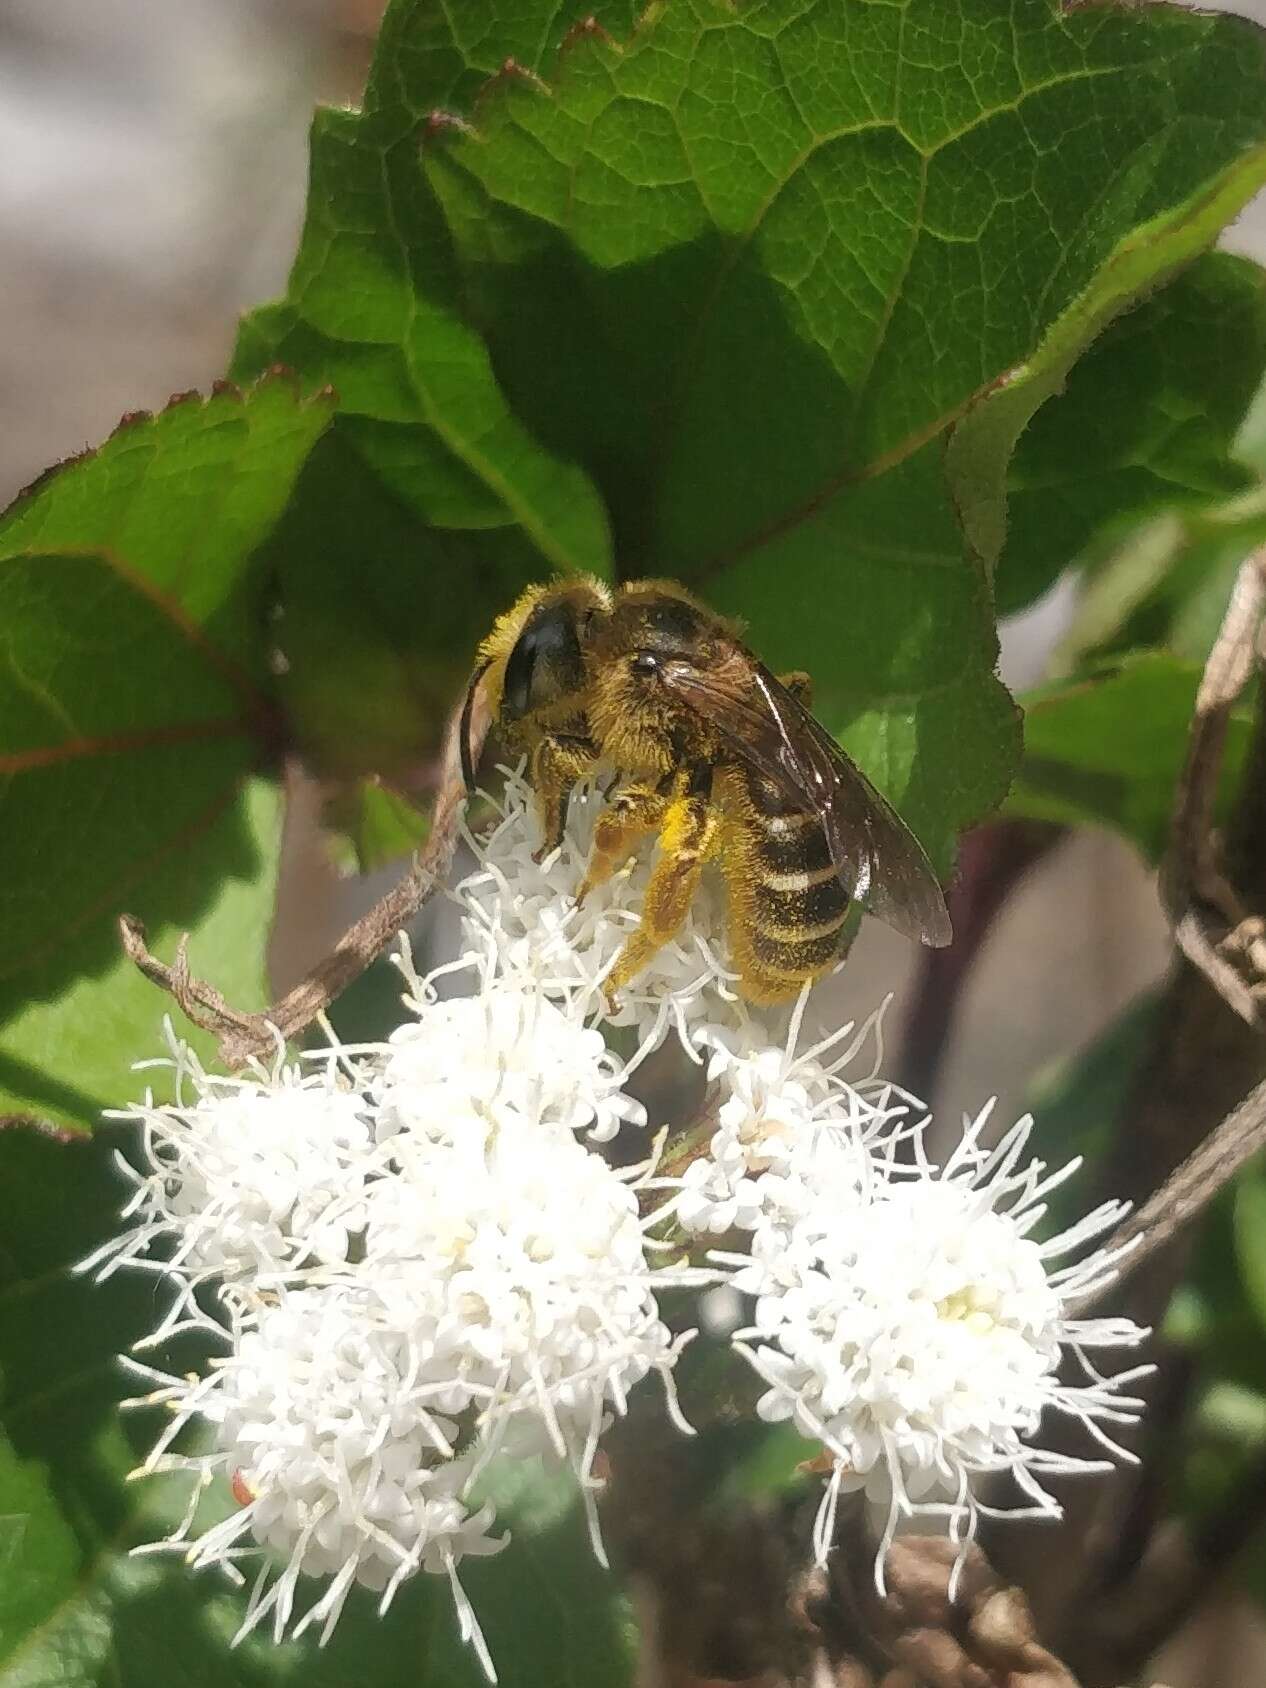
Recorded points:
(876, 855)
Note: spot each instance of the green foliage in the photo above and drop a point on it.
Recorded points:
(1106, 748)
(134, 704)
(76, 1610)
(782, 299)
(380, 825)
(1165, 582)
(771, 1462)
(1215, 1314)
(1147, 473)
(1250, 1236)
(750, 270)
(1216, 1317)
(1148, 423)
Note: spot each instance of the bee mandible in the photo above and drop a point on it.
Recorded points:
(718, 758)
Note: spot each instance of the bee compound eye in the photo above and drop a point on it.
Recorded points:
(644, 663)
(516, 694)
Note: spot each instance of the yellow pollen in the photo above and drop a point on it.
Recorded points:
(967, 1306)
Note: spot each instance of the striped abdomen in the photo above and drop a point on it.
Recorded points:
(787, 905)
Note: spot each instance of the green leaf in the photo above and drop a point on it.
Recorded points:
(369, 1010)
(1111, 603)
(133, 708)
(182, 500)
(772, 1463)
(1233, 1413)
(1214, 1316)
(1106, 748)
(38, 1553)
(380, 616)
(431, 505)
(373, 826)
(1162, 241)
(76, 1611)
(1148, 422)
(76, 1015)
(1164, 584)
(1079, 1108)
(755, 271)
(1163, 577)
(1250, 1235)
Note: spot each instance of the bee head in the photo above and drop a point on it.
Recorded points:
(546, 664)
(656, 621)
(534, 660)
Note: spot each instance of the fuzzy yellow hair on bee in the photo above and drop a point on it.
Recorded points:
(719, 759)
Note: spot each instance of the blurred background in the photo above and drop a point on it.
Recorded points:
(152, 174)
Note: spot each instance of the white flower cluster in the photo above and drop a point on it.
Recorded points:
(790, 1128)
(904, 1314)
(331, 1428)
(418, 1256)
(253, 1176)
(905, 1317)
(414, 1258)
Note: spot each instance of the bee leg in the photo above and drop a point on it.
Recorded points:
(557, 761)
(800, 685)
(689, 835)
(628, 817)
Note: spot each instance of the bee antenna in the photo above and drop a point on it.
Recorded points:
(468, 707)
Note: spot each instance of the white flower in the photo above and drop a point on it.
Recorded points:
(531, 909)
(716, 1195)
(543, 1300)
(510, 1049)
(254, 1175)
(790, 1128)
(499, 1293)
(425, 1262)
(916, 1329)
(326, 1428)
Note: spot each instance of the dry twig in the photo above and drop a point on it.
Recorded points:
(729, 1601)
(917, 1637)
(242, 1036)
(1187, 1192)
(1212, 927)
(1195, 1114)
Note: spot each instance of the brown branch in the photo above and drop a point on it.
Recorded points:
(1191, 1117)
(1207, 912)
(197, 1000)
(241, 1035)
(1187, 1192)
(728, 1600)
(983, 1638)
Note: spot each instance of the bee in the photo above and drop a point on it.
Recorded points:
(719, 759)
